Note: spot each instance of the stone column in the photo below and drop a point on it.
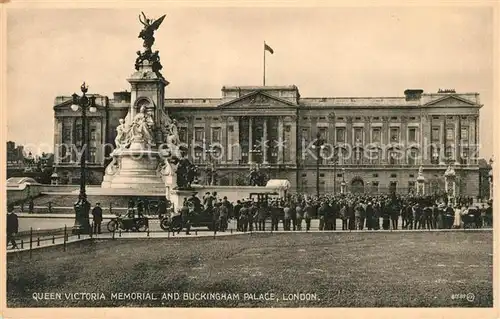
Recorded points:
(471, 140)
(442, 142)
(349, 138)
(457, 140)
(250, 140)
(236, 148)
(385, 139)
(224, 139)
(281, 137)
(292, 144)
(264, 138)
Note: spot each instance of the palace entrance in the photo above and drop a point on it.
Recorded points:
(357, 186)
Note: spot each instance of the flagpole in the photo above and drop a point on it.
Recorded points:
(264, 75)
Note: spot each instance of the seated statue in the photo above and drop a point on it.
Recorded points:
(142, 127)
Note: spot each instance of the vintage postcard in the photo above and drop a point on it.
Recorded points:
(174, 158)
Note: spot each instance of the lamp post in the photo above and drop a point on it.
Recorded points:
(342, 185)
(318, 145)
(82, 206)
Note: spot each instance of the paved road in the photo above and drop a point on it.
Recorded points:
(40, 223)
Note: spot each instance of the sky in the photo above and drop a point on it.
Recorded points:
(330, 51)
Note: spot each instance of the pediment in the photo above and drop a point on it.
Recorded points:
(450, 101)
(258, 99)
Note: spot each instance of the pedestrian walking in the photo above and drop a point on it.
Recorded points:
(97, 218)
(12, 226)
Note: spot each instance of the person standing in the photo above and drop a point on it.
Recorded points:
(31, 205)
(261, 214)
(97, 218)
(343, 216)
(237, 214)
(275, 216)
(369, 216)
(308, 215)
(223, 217)
(299, 213)
(185, 217)
(243, 219)
(12, 226)
(287, 216)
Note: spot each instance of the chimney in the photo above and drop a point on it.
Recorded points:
(413, 94)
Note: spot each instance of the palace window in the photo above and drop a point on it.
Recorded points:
(449, 152)
(323, 132)
(393, 157)
(358, 135)
(183, 134)
(199, 134)
(374, 186)
(376, 135)
(412, 156)
(412, 134)
(340, 135)
(357, 155)
(216, 135)
(434, 154)
(450, 132)
(305, 134)
(92, 153)
(66, 134)
(93, 134)
(394, 133)
(464, 134)
(465, 155)
(411, 187)
(435, 135)
(198, 155)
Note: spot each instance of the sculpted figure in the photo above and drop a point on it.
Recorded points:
(112, 167)
(122, 140)
(142, 127)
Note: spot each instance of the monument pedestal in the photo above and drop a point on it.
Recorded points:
(137, 168)
(177, 196)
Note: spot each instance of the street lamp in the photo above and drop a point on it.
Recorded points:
(82, 206)
(318, 145)
(342, 185)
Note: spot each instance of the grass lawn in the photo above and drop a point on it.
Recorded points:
(337, 270)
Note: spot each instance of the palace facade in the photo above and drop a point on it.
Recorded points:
(368, 144)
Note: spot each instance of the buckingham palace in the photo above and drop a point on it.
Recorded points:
(368, 144)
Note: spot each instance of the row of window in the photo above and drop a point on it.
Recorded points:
(67, 133)
(358, 134)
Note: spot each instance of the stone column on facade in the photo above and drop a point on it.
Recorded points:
(349, 139)
(224, 139)
(264, 144)
(421, 182)
(190, 134)
(471, 140)
(457, 140)
(425, 139)
(450, 184)
(442, 142)
(292, 143)
(385, 139)
(404, 138)
(281, 137)
(207, 140)
(250, 140)
(236, 143)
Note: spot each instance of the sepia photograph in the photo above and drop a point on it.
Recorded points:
(250, 157)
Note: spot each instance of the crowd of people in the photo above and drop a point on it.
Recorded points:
(357, 212)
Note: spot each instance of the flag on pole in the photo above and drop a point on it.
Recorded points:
(268, 48)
